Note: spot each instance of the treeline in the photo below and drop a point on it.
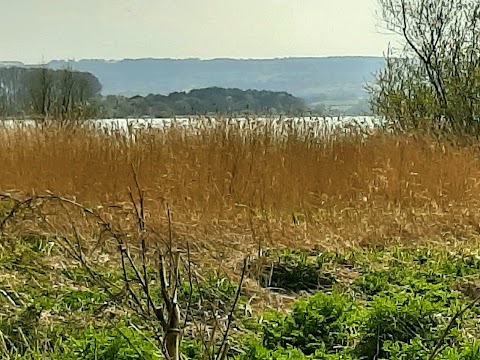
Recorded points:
(201, 102)
(48, 94)
(73, 95)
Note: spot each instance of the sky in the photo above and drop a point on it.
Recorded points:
(36, 31)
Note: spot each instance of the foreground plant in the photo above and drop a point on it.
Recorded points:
(152, 292)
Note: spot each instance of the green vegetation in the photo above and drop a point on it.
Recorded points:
(201, 102)
(294, 271)
(432, 82)
(52, 308)
(71, 95)
(388, 312)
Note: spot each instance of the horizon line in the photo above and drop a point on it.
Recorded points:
(195, 58)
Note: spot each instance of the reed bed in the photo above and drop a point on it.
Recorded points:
(235, 187)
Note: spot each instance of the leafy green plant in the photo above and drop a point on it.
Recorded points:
(297, 271)
(82, 300)
(395, 319)
(416, 281)
(192, 348)
(416, 350)
(255, 351)
(456, 265)
(214, 288)
(23, 336)
(119, 343)
(326, 322)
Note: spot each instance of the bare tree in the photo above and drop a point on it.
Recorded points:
(61, 94)
(56, 94)
(10, 99)
(66, 96)
(152, 276)
(435, 77)
(40, 84)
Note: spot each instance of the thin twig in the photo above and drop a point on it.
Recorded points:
(190, 295)
(230, 316)
(458, 314)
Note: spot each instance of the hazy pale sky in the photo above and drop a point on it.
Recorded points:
(34, 31)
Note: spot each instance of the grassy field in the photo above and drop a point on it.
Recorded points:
(360, 245)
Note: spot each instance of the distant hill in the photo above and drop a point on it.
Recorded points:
(201, 102)
(330, 80)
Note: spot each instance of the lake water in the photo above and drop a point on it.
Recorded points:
(193, 122)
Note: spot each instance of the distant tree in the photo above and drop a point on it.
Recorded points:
(61, 94)
(88, 87)
(5, 90)
(202, 102)
(40, 85)
(434, 79)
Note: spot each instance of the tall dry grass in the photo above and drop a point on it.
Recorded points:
(233, 187)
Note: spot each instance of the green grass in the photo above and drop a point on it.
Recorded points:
(398, 307)
(396, 304)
